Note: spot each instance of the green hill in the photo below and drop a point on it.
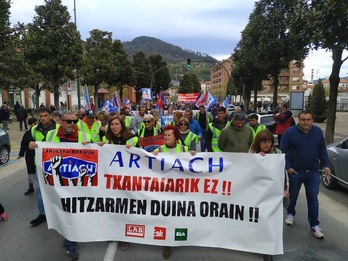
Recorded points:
(175, 56)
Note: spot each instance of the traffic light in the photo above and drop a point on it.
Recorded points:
(188, 64)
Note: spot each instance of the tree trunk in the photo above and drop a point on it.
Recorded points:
(255, 99)
(95, 98)
(334, 82)
(275, 89)
(56, 94)
(37, 93)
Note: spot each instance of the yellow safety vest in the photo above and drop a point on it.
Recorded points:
(216, 134)
(93, 131)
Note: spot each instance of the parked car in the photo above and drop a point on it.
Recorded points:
(5, 146)
(265, 119)
(338, 155)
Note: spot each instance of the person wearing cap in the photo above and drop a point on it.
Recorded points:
(237, 137)
(90, 125)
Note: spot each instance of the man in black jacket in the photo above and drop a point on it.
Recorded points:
(22, 116)
(5, 116)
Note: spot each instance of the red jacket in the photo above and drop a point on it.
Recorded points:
(283, 121)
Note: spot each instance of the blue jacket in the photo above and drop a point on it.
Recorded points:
(304, 151)
(195, 127)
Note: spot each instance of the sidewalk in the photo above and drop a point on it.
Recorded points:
(341, 126)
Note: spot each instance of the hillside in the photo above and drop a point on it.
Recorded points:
(170, 53)
(175, 56)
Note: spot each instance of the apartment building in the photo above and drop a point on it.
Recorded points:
(290, 80)
(219, 76)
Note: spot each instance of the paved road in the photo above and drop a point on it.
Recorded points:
(20, 241)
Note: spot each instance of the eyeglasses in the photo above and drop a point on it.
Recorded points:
(183, 124)
(71, 121)
(146, 121)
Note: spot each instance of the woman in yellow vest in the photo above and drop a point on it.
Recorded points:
(171, 144)
(187, 137)
(117, 133)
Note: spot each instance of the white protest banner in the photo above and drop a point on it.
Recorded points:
(227, 200)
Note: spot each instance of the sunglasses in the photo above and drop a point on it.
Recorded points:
(71, 121)
(183, 124)
(146, 121)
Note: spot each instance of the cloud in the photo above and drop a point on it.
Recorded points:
(321, 63)
(211, 27)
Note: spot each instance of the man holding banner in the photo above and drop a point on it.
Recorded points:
(67, 132)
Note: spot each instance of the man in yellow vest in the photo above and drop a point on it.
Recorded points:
(255, 125)
(90, 125)
(38, 133)
(215, 128)
(68, 132)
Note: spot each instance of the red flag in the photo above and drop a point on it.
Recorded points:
(160, 100)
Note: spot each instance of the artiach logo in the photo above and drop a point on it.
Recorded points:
(135, 230)
(159, 233)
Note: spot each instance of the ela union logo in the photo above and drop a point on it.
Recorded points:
(181, 234)
(159, 233)
(135, 230)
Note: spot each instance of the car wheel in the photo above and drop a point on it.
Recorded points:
(4, 155)
(329, 181)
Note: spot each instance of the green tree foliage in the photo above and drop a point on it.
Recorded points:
(142, 71)
(318, 105)
(5, 29)
(327, 27)
(160, 73)
(20, 73)
(99, 66)
(53, 46)
(273, 45)
(5, 50)
(189, 84)
(124, 73)
(175, 56)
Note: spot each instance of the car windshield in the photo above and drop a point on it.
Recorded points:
(267, 120)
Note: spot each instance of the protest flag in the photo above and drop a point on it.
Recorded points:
(86, 97)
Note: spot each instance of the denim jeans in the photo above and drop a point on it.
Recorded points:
(40, 204)
(202, 141)
(311, 181)
(69, 245)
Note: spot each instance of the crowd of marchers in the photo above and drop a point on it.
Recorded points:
(188, 130)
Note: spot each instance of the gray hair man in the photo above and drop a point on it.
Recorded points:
(237, 137)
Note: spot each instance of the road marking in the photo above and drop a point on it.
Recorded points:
(110, 252)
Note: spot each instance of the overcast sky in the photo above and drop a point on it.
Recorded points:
(211, 27)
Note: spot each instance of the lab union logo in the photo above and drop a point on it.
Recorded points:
(133, 230)
(70, 167)
(181, 234)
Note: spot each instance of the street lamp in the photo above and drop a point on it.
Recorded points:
(77, 69)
